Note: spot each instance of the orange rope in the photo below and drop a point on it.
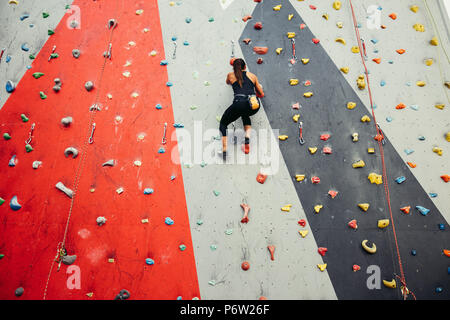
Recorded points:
(379, 138)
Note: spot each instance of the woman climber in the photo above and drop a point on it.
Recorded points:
(245, 103)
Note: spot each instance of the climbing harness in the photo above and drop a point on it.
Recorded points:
(28, 141)
(91, 138)
(380, 140)
(164, 139)
(294, 57)
(300, 133)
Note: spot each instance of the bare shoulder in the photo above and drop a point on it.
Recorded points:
(252, 76)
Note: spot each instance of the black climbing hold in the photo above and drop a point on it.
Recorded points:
(19, 291)
(123, 295)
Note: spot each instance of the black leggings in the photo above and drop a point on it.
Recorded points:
(239, 108)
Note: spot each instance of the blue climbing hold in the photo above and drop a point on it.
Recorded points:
(174, 38)
(169, 84)
(408, 151)
(433, 195)
(400, 179)
(12, 161)
(421, 138)
(25, 16)
(391, 62)
(172, 178)
(8, 59)
(25, 47)
(178, 125)
(161, 150)
(10, 86)
(439, 289)
(185, 43)
(415, 107)
(158, 106)
(14, 204)
(168, 221)
(441, 226)
(448, 270)
(413, 252)
(164, 63)
(374, 41)
(179, 298)
(148, 191)
(149, 261)
(422, 210)
(389, 119)
(382, 83)
(188, 20)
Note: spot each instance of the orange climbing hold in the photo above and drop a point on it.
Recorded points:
(261, 178)
(246, 18)
(445, 177)
(405, 209)
(400, 106)
(401, 51)
(352, 224)
(377, 60)
(393, 16)
(411, 164)
(447, 252)
(260, 50)
(247, 40)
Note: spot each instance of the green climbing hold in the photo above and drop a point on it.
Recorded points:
(67, 6)
(28, 148)
(37, 75)
(2, 201)
(32, 57)
(182, 247)
(1, 256)
(229, 232)
(42, 95)
(211, 19)
(45, 15)
(6, 136)
(213, 247)
(50, 32)
(199, 222)
(216, 193)
(54, 55)
(24, 118)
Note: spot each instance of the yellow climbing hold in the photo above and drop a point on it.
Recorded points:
(429, 62)
(340, 40)
(434, 41)
(290, 17)
(359, 164)
(278, 50)
(322, 267)
(13, 2)
(351, 105)
(371, 249)
(286, 208)
(300, 177)
(277, 8)
(111, 260)
(345, 69)
(414, 8)
(305, 60)
(317, 208)
(370, 150)
(361, 82)
(139, 12)
(283, 137)
(325, 16)
(447, 136)
(390, 284)
(296, 117)
(440, 106)
(365, 118)
(337, 5)
(293, 82)
(303, 233)
(419, 27)
(290, 35)
(308, 94)
(375, 178)
(355, 49)
(420, 83)
(339, 24)
(438, 150)
(90, 294)
(312, 150)
(364, 206)
(383, 223)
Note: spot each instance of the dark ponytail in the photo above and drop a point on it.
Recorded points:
(238, 67)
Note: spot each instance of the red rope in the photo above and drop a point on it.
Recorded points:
(379, 137)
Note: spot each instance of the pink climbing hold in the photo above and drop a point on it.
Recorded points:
(246, 208)
(312, 7)
(327, 150)
(325, 137)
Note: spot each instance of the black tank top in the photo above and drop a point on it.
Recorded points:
(248, 88)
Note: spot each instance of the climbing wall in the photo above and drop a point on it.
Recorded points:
(115, 210)
(124, 172)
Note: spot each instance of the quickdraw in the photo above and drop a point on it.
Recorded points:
(294, 57)
(164, 139)
(300, 133)
(364, 49)
(30, 136)
(91, 138)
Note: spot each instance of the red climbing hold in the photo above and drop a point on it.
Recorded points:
(406, 209)
(257, 1)
(261, 178)
(247, 40)
(322, 251)
(315, 40)
(302, 26)
(325, 137)
(352, 224)
(245, 266)
(445, 177)
(262, 297)
(315, 179)
(302, 222)
(312, 7)
(246, 208)
(258, 26)
(327, 150)
(272, 251)
(356, 268)
(259, 61)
